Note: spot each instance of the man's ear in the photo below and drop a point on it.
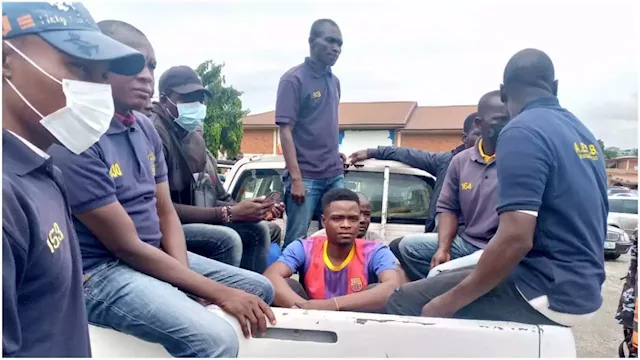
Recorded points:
(6, 71)
(322, 219)
(477, 121)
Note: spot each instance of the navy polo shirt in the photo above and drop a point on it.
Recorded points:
(43, 306)
(125, 165)
(550, 163)
(307, 99)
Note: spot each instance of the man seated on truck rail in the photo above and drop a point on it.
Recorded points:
(139, 277)
(337, 271)
(176, 117)
(435, 163)
(545, 264)
(365, 221)
(468, 196)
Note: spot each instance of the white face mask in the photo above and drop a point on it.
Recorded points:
(86, 117)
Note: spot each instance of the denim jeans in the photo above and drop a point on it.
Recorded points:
(416, 251)
(299, 215)
(216, 242)
(237, 244)
(129, 301)
(502, 303)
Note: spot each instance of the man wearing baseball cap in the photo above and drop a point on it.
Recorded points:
(177, 117)
(53, 70)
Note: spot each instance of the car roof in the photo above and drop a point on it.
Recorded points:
(366, 164)
(624, 196)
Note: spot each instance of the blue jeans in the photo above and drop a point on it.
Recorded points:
(238, 244)
(417, 250)
(299, 215)
(129, 301)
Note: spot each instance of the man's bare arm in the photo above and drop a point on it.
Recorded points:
(447, 229)
(115, 229)
(173, 242)
(277, 273)
(289, 151)
(374, 298)
(512, 242)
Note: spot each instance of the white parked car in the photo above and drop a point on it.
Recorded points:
(623, 212)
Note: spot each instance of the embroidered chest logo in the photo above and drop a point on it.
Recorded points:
(152, 162)
(316, 94)
(115, 171)
(55, 237)
(586, 152)
(355, 284)
(466, 186)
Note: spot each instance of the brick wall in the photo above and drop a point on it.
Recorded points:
(430, 142)
(257, 141)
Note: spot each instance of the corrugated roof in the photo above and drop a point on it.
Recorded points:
(439, 118)
(405, 115)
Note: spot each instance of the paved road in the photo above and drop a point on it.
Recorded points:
(602, 335)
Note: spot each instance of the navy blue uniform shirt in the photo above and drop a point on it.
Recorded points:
(550, 163)
(43, 305)
(124, 165)
(308, 100)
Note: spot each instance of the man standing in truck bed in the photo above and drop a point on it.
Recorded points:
(307, 113)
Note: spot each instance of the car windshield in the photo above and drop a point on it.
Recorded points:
(408, 202)
(625, 206)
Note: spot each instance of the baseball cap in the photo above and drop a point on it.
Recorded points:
(69, 28)
(181, 79)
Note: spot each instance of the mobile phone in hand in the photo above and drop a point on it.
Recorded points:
(274, 196)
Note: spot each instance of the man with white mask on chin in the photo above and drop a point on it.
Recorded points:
(221, 229)
(52, 54)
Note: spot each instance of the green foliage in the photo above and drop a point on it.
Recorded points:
(222, 125)
(608, 153)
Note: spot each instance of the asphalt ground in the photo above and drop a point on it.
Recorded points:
(601, 336)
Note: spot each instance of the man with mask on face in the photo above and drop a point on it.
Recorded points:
(307, 114)
(42, 301)
(545, 265)
(468, 193)
(177, 117)
(139, 277)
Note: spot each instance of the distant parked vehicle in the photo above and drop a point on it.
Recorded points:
(613, 190)
(617, 243)
(623, 212)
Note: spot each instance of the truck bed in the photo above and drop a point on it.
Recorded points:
(325, 334)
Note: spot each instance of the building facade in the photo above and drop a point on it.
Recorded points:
(370, 124)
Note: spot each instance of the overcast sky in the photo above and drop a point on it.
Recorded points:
(432, 52)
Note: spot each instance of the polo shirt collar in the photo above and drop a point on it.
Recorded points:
(479, 155)
(543, 102)
(316, 69)
(118, 127)
(127, 119)
(19, 155)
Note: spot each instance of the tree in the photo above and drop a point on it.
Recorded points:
(222, 126)
(608, 153)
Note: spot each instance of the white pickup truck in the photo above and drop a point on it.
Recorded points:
(399, 195)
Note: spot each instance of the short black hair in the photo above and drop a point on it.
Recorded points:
(529, 68)
(469, 122)
(339, 194)
(122, 31)
(486, 99)
(316, 27)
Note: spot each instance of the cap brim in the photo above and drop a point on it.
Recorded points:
(189, 88)
(95, 46)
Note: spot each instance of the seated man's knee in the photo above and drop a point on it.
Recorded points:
(264, 289)
(220, 341)
(394, 246)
